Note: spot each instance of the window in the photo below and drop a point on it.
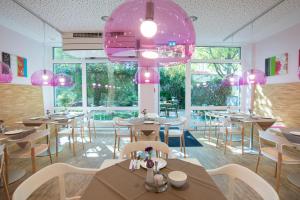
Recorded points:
(69, 96)
(207, 76)
(217, 53)
(111, 85)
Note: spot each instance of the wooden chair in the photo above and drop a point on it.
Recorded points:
(32, 148)
(59, 170)
(180, 124)
(3, 177)
(277, 152)
(71, 128)
(130, 148)
(211, 122)
(258, 184)
(122, 129)
(152, 131)
(231, 127)
(90, 122)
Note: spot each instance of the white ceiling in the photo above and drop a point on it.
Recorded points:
(216, 18)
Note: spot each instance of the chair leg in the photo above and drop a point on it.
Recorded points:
(56, 143)
(115, 146)
(5, 186)
(243, 132)
(6, 164)
(183, 144)
(230, 138)
(49, 153)
(278, 171)
(275, 175)
(258, 160)
(33, 160)
(94, 129)
(226, 135)
(89, 129)
(180, 140)
(119, 143)
(73, 144)
(82, 137)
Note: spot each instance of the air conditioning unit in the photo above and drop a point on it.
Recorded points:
(82, 41)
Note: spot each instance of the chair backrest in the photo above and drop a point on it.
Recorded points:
(273, 138)
(258, 184)
(141, 145)
(59, 170)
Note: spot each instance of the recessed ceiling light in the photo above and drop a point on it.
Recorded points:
(193, 18)
(150, 54)
(104, 18)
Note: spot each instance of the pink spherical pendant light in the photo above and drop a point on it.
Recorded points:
(231, 80)
(146, 75)
(149, 29)
(5, 73)
(253, 76)
(63, 80)
(42, 78)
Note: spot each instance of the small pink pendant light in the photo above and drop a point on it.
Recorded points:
(146, 75)
(151, 29)
(43, 78)
(231, 80)
(5, 73)
(63, 80)
(253, 76)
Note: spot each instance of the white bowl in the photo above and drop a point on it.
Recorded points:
(177, 178)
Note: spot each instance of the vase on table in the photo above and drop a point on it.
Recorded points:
(150, 175)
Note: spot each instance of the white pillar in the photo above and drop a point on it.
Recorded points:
(148, 97)
(84, 86)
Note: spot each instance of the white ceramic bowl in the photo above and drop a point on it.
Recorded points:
(177, 178)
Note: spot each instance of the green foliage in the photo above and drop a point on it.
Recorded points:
(69, 96)
(172, 84)
(123, 91)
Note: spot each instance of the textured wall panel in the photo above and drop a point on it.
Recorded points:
(20, 101)
(281, 101)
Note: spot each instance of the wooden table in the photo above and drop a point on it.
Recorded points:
(38, 121)
(293, 139)
(118, 183)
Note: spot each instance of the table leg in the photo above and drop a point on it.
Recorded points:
(251, 149)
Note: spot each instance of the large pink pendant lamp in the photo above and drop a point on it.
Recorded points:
(151, 29)
(5, 73)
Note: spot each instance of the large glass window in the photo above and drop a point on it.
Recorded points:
(69, 96)
(111, 85)
(207, 76)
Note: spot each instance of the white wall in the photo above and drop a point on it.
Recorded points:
(14, 43)
(287, 41)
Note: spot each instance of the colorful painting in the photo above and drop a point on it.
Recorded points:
(276, 65)
(22, 66)
(6, 58)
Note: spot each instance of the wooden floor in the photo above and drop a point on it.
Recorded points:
(101, 148)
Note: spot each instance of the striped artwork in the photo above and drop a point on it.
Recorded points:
(276, 65)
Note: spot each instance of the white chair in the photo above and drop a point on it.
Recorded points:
(59, 170)
(258, 184)
(31, 148)
(3, 173)
(277, 152)
(122, 129)
(211, 121)
(180, 124)
(141, 145)
(231, 127)
(71, 128)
